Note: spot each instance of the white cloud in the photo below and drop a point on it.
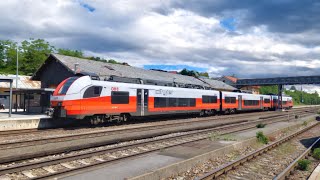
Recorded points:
(143, 32)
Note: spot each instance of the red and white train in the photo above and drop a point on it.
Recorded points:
(80, 97)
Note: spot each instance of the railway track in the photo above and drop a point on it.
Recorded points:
(287, 172)
(157, 126)
(191, 120)
(266, 162)
(61, 164)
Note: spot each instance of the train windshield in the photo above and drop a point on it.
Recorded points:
(67, 84)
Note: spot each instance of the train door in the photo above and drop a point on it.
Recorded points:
(142, 101)
(239, 102)
(145, 101)
(139, 102)
(261, 102)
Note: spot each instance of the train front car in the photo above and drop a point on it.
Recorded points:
(65, 101)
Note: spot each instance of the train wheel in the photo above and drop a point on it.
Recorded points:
(124, 117)
(202, 113)
(213, 112)
(227, 111)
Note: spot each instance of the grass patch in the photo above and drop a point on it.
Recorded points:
(303, 164)
(260, 125)
(225, 137)
(305, 123)
(262, 138)
(316, 153)
(213, 136)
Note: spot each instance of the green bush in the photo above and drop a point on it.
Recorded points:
(316, 153)
(260, 125)
(262, 138)
(303, 164)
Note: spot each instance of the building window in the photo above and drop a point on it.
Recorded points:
(93, 91)
(119, 97)
(266, 100)
(230, 100)
(209, 99)
(251, 102)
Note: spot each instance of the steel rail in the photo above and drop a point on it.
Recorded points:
(227, 129)
(231, 165)
(24, 143)
(26, 131)
(286, 172)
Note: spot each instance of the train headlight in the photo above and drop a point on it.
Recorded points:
(59, 104)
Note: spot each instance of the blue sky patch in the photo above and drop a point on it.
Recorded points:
(174, 67)
(228, 24)
(87, 7)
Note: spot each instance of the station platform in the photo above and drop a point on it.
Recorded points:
(20, 120)
(315, 174)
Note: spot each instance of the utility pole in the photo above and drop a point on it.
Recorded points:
(17, 73)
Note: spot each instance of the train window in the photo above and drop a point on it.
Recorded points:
(230, 100)
(266, 100)
(160, 102)
(66, 85)
(192, 102)
(183, 102)
(251, 102)
(119, 97)
(172, 102)
(209, 99)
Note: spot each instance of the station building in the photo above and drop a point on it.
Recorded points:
(59, 67)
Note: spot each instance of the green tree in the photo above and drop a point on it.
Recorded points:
(34, 53)
(69, 52)
(268, 89)
(193, 73)
(8, 56)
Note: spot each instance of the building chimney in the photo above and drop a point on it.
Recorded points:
(76, 67)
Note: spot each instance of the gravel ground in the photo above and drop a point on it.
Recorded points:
(211, 164)
(299, 174)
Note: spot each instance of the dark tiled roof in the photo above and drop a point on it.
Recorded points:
(105, 70)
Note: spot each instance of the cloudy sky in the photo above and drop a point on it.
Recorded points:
(248, 38)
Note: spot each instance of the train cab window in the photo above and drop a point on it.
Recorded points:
(119, 97)
(266, 100)
(66, 85)
(230, 100)
(209, 99)
(93, 91)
